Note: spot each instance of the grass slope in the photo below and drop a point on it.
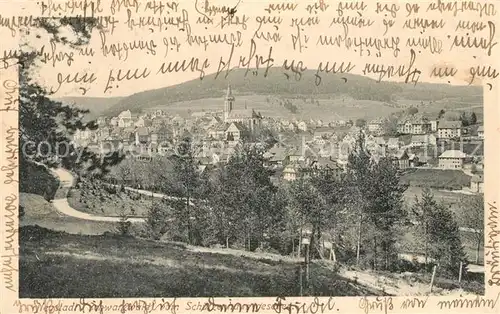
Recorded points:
(42, 213)
(60, 265)
(276, 83)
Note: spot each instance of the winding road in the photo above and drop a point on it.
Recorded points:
(62, 205)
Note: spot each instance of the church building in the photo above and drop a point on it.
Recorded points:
(247, 117)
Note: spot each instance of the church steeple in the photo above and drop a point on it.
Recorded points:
(228, 103)
(229, 93)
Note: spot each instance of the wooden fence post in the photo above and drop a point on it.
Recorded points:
(433, 275)
(460, 274)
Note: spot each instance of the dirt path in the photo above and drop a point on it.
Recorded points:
(62, 205)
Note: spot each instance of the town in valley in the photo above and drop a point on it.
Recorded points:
(230, 191)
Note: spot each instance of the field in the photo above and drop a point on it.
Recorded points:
(55, 265)
(327, 109)
(436, 178)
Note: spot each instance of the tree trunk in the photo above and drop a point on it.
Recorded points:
(478, 249)
(426, 254)
(300, 243)
(375, 253)
(189, 219)
(386, 253)
(358, 247)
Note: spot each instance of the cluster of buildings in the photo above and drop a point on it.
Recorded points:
(301, 146)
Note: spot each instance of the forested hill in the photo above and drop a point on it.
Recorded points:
(276, 83)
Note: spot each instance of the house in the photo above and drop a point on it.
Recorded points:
(164, 134)
(236, 132)
(178, 120)
(82, 135)
(142, 136)
(214, 121)
(376, 126)
(276, 155)
(401, 160)
(434, 125)
(414, 125)
(393, 143)
(142, 122)
(327, 164)
(198, 114)
(480, 132)
(449, 129)
(219, 131)
(423, 140)
(114, 121)
(302, 126)
(125, 114)
(321, 135)
(102, 132)
(292, 171)
(452, 159)
(294, 155)
(125, 122)
(477, 184)
(102, 121)
(413, 160)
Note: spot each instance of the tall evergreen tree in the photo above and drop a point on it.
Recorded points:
(359, 169)
(385, 211)
(187, 179)
(242, 194)
(447, 248)
(423, 210)
(44, 120)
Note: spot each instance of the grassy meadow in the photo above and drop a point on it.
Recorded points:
(60, 265)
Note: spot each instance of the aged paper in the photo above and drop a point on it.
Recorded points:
(249, 156)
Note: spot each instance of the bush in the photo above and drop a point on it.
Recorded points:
(124, 226)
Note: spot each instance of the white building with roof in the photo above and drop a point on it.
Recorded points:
(480, 132)
(452, 159)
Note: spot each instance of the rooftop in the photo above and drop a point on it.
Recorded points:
(444, 124)
(453, 154)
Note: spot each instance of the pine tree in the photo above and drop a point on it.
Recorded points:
(310, 205)
(423, 211)
(385, 196)
(446, 247)
(158, 219)
(473, 118)
(188, 181)
(44, 120)
(359, 168)
(241, 197)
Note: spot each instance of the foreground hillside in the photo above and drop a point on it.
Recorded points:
(276, 83)
(60, 265)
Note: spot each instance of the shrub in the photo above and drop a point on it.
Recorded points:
(124, 225)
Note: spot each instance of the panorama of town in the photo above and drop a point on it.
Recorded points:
(411, 140)
(225, 201)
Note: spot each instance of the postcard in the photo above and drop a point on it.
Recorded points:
(287, 157)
